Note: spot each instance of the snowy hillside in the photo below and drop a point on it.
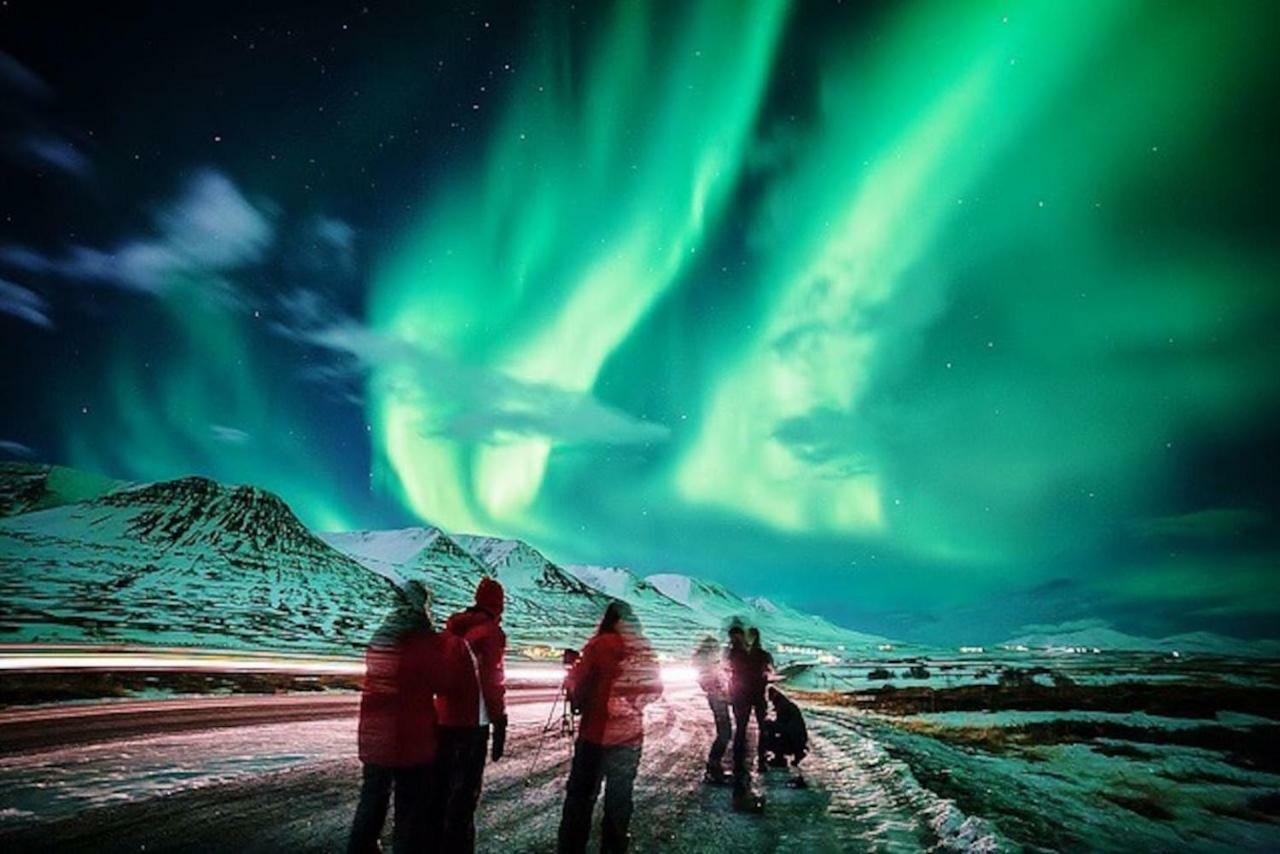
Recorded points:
(192, 562)
(426, 554)
(184, 562)
(716, 605)
(1091, 634)
(614, 581)
(545, 604)
(679, 610)
(33, 486)
(671, 625)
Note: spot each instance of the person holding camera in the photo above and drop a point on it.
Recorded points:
(611, 684)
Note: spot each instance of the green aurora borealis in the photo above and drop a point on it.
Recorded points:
(936, 318)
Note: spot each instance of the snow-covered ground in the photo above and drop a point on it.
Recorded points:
(905, 667)
(924, 782)
(293, 787)
(1101, 794)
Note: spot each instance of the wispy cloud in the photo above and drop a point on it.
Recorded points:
(826, 439)
(229, 435)
(1204, 525)
(24, 304)
(15, 449)
(17, 77)
(335, 240)
(208, 231)
(464, 401)
(48, 149)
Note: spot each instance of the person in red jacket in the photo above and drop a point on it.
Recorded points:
(613, 681)
(406, 665)
(467, 714)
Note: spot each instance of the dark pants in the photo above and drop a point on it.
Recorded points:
(592, 764)
(416, 819)
(742, 710)
(724, 731)
(460, 770)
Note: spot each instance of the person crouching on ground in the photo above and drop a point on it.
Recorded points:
(397, 732)
(706, 660)
(613, 681)
(786, 736)
(465, 718)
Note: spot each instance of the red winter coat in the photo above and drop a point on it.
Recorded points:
(404, 671)
(461, 707)
(614, 680)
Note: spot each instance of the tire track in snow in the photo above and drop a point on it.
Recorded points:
(873, 791)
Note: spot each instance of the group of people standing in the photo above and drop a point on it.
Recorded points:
(433, 709)
(736, 680)
(433, 698)
(431, 701)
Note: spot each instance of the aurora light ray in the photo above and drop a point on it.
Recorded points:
(925, 316)
(591, 197)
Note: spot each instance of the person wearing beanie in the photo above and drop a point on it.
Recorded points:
(467, 714)
(407, 665)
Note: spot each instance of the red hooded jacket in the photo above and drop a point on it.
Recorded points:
(461, 707)
(404, 671)
(613, 681)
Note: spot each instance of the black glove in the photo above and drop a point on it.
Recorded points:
(499, 738)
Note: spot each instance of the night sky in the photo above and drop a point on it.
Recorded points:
(938, 319)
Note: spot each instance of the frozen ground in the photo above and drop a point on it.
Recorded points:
(1132, 793)
(876, 783)
(293, 787)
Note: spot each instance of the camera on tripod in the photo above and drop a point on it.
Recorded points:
(563, 703)
(568, 658)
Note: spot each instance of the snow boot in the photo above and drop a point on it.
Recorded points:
(748, 802)
(713, 776)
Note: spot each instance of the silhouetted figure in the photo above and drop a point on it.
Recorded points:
(706, 660)
(406, 665)
(613, 681)
(786, 738)
(749, 666)
(465, 719)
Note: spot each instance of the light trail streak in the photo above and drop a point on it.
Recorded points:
(35, 658)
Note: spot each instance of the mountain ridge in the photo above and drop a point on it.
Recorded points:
(191, 561)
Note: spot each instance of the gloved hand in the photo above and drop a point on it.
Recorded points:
(499, 738)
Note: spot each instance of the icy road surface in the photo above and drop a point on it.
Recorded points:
(292, 786)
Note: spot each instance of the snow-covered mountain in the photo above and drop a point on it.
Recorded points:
(183, 562)
(671, 625)
(778, 624)
(426, 554)
(1091, 635)
(545, 604)
(193, 562)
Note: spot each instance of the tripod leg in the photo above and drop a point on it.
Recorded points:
(551, 713)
